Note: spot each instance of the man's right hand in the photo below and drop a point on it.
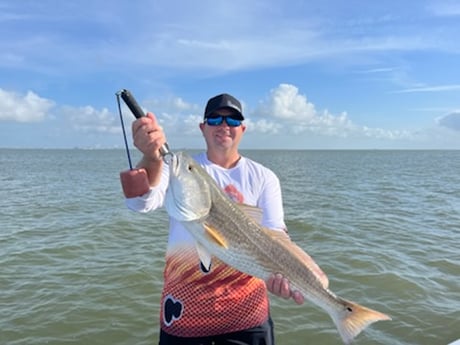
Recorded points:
(148, 137)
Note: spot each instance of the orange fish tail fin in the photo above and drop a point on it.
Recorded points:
(354, 318)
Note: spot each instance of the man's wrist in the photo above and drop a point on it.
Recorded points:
(148, 161)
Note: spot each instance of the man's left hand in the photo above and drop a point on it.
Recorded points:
(278, 285)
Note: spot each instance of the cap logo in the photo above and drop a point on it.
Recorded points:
(233, 104)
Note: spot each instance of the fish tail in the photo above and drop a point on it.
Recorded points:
(352, 318)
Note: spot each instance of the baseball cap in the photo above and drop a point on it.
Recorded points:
(223, 101)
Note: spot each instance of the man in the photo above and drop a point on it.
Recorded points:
(220, 305)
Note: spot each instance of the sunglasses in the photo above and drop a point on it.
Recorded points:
(219, 119)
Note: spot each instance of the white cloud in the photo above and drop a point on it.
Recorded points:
(88, 119)
(451, 121)
(176, 115)
(264, 126)
(437, 88)
(23, 108)
(286, 103)
(171, 104)
(289, 111)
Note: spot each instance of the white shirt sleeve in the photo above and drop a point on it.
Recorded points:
(271, 202)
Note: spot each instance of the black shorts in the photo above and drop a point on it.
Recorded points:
(260, 335)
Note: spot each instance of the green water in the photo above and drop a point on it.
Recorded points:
(78, 268)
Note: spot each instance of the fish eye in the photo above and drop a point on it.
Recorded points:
(190, 167)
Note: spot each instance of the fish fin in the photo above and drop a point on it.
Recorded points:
(354, 318)
(204, 255)
(283, 238)
(253, 212)
(215, 235)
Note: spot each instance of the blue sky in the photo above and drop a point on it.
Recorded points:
(311, 74)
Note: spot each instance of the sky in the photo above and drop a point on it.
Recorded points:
(319, 74)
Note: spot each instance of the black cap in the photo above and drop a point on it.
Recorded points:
(223, 101)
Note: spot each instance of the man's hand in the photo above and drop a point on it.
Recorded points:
(148, 136)
(279, 286)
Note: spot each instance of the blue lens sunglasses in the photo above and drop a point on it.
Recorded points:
(219, 119)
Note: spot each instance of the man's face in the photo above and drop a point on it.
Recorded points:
(222, 136)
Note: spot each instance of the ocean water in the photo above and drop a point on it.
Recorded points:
(77, 267)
